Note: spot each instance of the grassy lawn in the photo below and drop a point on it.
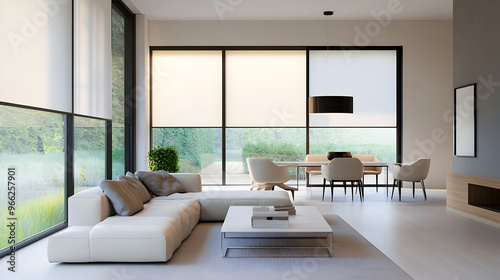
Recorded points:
(40, 189)
(33, 217)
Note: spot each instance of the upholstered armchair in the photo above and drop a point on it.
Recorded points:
(369, 170)
(265, 175)
(311, 171)
(413, 172)
(343, 170)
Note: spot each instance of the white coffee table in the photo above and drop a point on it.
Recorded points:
(308, 229)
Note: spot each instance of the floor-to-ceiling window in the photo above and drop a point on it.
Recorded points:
(35, 99)
(89, 152)
(265, 108)
(370, 77)
(58, 118)
(32, 166)
(187, 109)
(123, 89)
(253, 102)
(118, 90)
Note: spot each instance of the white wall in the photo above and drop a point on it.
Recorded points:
(427, 67)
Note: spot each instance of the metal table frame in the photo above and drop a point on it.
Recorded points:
(299, 164)
(308, 230)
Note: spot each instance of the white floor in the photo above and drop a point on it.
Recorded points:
(424, 238)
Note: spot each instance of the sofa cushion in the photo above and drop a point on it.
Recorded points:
(135, 239)
(187, 211)
(122, 197)
(136, 185)
(215, 204)
(69, 245)
(160, 183)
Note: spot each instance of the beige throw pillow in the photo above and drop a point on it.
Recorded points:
(160, 183)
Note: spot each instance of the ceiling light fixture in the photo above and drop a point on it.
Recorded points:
(330, 104)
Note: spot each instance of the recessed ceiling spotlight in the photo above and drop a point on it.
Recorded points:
(328, 13)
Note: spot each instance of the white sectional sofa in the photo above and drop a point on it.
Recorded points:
(96, 234)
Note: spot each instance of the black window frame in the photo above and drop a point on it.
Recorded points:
(130, 87)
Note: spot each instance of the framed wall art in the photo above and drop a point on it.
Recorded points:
(464, 121)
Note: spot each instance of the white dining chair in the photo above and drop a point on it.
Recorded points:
(313, 170)
(413, 172)
(343, 170)
(370, 170)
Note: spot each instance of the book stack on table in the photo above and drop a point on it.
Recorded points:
(290, 208)
(268, 217)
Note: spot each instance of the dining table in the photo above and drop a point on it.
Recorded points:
(299, 164)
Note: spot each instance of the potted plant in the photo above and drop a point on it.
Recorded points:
(163, 158)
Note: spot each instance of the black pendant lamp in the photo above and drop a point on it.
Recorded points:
(330, 104)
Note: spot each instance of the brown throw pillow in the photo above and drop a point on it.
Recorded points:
(136, 185)
(122, 197)
(160, 183)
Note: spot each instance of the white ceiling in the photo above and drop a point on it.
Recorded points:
(290, 9)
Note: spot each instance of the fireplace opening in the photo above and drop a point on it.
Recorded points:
(484, 197)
